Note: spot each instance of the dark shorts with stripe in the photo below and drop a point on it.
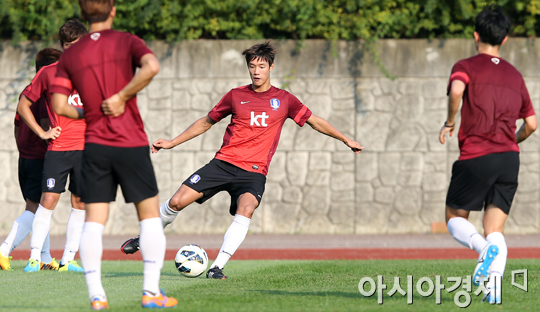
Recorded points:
(30, 178)
(489, 179)
(106, 167)
(218, 175)
(56, 169)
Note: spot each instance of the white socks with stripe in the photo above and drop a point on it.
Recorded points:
(19, 231)
(167, 214)
(234, 236)
(152, 242)
(40, 229)
(91, 251)
(73, 234)
(465, 233)
(498, 265)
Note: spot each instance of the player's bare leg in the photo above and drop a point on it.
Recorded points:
(494, 220)
(235, 235)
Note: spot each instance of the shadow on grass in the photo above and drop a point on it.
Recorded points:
(354, 295)
(131, 274)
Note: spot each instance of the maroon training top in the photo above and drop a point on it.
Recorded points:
(495, 97)
(29, 144)
(98, 66)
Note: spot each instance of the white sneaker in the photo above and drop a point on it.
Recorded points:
(481, 272)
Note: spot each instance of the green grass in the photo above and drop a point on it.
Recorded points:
(263, 286)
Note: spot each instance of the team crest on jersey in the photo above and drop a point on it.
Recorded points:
(194, 179)
(495, 61)
(95, 36)
(50, 183)
(274, 103)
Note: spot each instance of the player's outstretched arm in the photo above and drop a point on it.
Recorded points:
(197, 128)
(325, 127)
(23, 108)
(116, 104)
(454, 99)
(528, 127)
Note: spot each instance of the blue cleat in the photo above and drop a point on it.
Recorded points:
(481, 272)
(32, 266)
(72, 266)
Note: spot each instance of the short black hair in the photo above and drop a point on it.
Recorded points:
(46, 57)
(71, 31)
(264, 51)
(96, 11)
(492, 25)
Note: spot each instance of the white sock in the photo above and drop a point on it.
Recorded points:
(465, 233)
(91, 250)
(167, 214)
(46, 250)
(40, 229)
(498, 265)
(73, 234)
(234, 236)
(19, 231)
(152, 242)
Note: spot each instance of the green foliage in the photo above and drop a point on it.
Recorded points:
(175, 20)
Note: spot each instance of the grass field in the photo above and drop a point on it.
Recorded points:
(264, 285)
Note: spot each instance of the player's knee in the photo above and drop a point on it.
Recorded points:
(246, 210)
(176, 203)
(49, 200)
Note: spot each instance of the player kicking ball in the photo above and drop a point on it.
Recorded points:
(258, 111)
(486, 174)
(62, 159)
(32, 148)
(101, 67)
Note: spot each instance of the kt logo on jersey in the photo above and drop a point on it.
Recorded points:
(259, 120)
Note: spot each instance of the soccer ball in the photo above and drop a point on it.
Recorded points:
(191, 260)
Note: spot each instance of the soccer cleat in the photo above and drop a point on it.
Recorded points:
(481, 272)
(131, 246)
(53, 265)
(158, 302)
(70, 266)
(32, 266)
(5, 262)
(99, 304)
(215, 273)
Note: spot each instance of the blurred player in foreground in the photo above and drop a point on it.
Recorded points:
(486, 174)
(32, 149)
(101, 67)
(258, 111)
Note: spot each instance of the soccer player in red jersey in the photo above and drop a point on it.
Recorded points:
(258, 111)
(101, 67)
(32, 150)
(63, 159)
(486, 175)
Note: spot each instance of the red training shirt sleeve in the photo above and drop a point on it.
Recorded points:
(223, 108)
(62, 82)
(459, 72)
(298, 111)
(38, 86)
(138, 49)
(526, 104)
(17, 120)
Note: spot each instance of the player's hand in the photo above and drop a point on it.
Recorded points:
(51, 134)
(114, 106)
(354, 146)
(444, 130)
(159, 144)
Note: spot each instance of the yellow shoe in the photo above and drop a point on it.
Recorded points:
(99, 304)
(5, 262)
(53, 265)
(71, 266)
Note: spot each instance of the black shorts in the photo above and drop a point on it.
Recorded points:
(30, 178)
(57, 167)
(106, 167)
(489, 179)
(218, 175)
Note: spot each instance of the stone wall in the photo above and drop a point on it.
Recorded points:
(315, 184)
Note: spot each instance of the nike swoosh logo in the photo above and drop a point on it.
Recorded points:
(242, 102)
